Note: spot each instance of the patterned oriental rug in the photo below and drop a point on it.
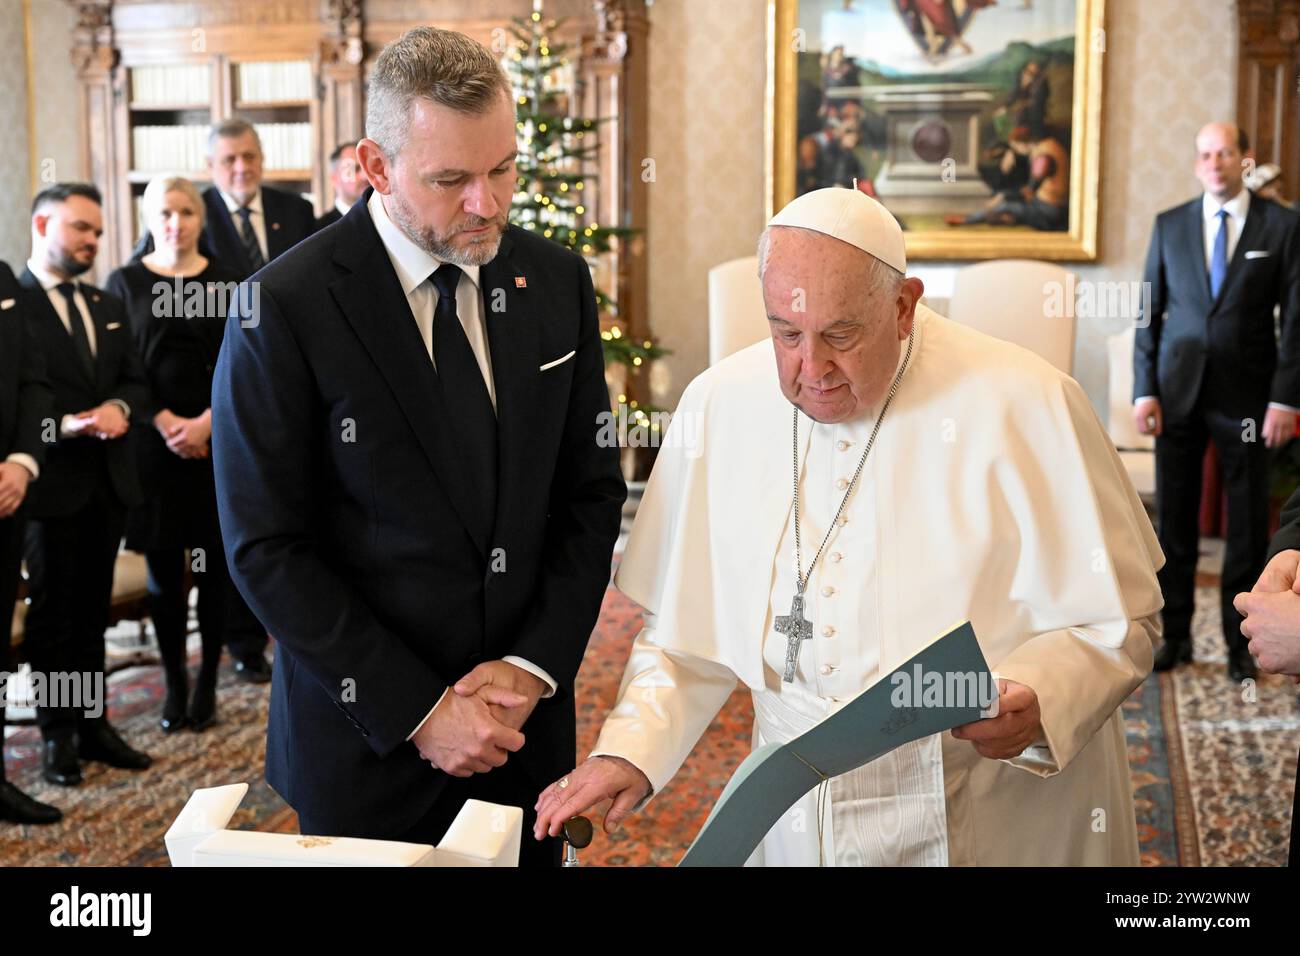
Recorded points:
(1213, 768)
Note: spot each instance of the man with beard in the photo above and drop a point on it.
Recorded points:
(412, 495)
(77, 510)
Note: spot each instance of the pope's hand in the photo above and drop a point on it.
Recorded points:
(1272, 622)
(599, 778)
(1017, 725)
(1279, 574)
(462, 738)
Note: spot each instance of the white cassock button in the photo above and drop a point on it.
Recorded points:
(827, 591)
(827, 669)
(836, 557)
(828, 631)
(843, 445)
(841, 483)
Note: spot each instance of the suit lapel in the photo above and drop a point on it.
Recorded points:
(272, 215)
(1194, 248)
(105, 352)
(512, 333)
(44, 312)
(373, 303)
(225, 237)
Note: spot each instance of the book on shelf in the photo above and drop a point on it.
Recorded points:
(275, 82)
(171, 84)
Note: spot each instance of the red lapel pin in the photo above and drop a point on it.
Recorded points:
(521, 282)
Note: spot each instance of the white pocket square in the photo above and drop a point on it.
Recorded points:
(559, 361)
(1258, 254)
(6, 304)
(113, 325)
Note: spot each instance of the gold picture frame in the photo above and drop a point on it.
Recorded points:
(998, 239)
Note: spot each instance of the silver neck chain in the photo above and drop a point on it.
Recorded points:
(798, 549)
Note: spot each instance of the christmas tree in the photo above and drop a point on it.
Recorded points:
(554, 148)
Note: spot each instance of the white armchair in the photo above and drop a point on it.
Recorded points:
(737, 316)
(1136, 450)
(1006, 298)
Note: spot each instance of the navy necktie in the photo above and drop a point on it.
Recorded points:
(249, 239)
(77, 327)
(465, 397)
(1219, 257)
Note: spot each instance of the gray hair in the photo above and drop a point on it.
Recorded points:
(232, 128)
(880, 275)
(441, 66)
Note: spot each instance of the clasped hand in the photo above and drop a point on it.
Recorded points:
(476, 725)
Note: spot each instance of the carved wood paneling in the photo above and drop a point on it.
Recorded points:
(1268, 84)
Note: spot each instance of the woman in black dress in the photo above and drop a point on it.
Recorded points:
(177, 301)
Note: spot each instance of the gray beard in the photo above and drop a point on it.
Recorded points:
(480, 252)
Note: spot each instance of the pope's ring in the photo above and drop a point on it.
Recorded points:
(564, 782)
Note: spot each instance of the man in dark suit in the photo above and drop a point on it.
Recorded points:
(1208, 366)
(24, 409)
(1272, 622)
(348, 181)
(76, 512)
(412, 493)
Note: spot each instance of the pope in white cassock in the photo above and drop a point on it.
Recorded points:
(990, 493)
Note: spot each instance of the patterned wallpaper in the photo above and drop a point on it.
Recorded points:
(1170, 67)
(13, 159)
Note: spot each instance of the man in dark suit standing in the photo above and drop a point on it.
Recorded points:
(1272, 622)
(25, 404)
(1208, 366)
(76, 512)
(412, 492)
(348, 180)
(247, 225)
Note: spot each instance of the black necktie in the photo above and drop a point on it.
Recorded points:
(465, 396)
(77, 327)
(252, 248)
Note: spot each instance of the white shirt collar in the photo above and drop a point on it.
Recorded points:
(254, 204)
(1236, 206)
(47, 279)
(412, 264)
(342, 206)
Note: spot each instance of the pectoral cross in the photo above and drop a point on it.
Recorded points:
(796, 629)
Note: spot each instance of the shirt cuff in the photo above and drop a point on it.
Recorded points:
(536, 672)
(27, 461)
(1145, 398)
(428, 715)
(1285, 408)
(126, 409)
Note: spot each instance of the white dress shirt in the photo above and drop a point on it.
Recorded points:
(1238, 207)
(342, 206)
(50, 283)
(413, 267)
(257, 220)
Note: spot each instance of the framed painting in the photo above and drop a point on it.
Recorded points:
(976, 122)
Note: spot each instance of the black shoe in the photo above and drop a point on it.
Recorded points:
(1241, 665)
(203, 706)
(173, 713)
(59, 762)
(1172, 654)
(255, 670)
(100, 742)
(17, 807)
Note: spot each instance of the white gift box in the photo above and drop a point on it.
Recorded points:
(483, 834)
